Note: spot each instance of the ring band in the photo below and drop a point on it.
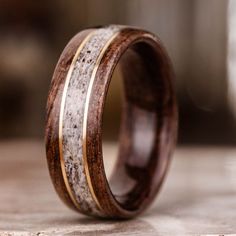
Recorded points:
(74, 121)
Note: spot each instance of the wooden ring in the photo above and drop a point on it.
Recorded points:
(74, 121)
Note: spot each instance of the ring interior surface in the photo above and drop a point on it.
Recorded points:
(148, 127)
(141, 165)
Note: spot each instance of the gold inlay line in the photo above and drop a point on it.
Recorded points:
(84, 131)
(85, 118)
(62, 107)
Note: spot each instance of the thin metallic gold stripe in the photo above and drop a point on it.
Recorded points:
(62, 107)
(85, 118)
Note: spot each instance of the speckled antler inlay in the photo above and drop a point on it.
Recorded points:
(73, 112)
(74, 121)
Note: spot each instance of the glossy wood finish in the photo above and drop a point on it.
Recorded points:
(149, 114)
(148, 130)
(52, 116)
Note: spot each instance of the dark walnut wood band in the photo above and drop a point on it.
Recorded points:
(74, 121)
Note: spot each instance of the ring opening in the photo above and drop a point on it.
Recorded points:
(146, 107)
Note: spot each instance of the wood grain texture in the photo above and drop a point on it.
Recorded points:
(52, 116)
(148, 130)
(149, 110)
